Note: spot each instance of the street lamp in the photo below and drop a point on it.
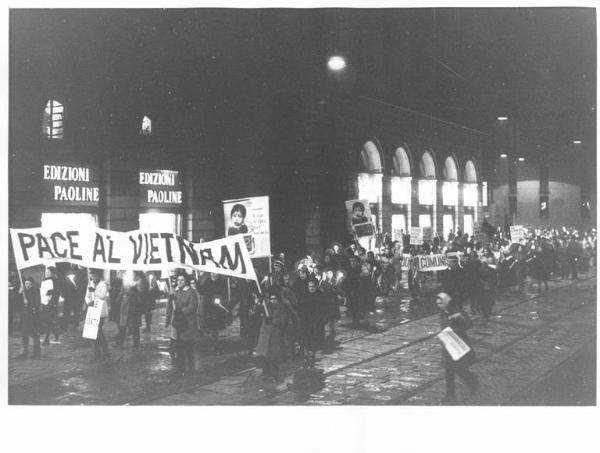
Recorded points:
(336, 63)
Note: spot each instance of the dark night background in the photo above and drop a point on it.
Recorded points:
(241, 89)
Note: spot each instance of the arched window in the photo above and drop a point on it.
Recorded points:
(427, 166)
(52, 120)
(146, 126)
(401, 182)
(470, 185)
(401, 162)
(470, 172)
(371, 159)
(450, 172)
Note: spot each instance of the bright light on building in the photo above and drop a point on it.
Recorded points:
(577, 142)
(521, 159)
(369, 186)
(401, 190)
(502, 118)
(470, 195)
(336, 63)
(427, 191)
(503, 156)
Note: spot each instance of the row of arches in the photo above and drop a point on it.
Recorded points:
(422, 193)
(372, 162)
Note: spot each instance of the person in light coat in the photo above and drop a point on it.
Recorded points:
(97, 296)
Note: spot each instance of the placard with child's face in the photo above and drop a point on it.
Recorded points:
(250, 217)
(358, 215)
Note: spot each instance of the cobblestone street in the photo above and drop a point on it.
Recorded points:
(396, 361)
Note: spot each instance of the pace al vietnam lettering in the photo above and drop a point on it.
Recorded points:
(161, 178)
(71, 174)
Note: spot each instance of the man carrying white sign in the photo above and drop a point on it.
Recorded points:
(457, 355)
(97, 301)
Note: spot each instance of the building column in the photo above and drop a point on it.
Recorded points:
(386, 205)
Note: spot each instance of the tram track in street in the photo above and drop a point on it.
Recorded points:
(432, 382)
(192, 386)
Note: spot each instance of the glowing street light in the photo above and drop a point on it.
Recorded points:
(502, 118)
(503, 156)
(521, 159)
(577, 142)
(336, 63)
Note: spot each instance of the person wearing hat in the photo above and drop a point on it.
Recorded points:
(452, 316)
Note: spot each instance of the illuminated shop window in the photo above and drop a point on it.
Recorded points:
(52, 120)
(427, 191)
(369, 186)
(447, 224)
(450, 193)
(468, 224)
(425, 220)
(160, 222)
(401, 190)
(484, 193)
(398, 226)
(146, 128)
(470, 194)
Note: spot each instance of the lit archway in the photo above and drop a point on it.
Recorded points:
(401, 188)
(470, 196)
(371, 158)
(427, 191)
(449, 196)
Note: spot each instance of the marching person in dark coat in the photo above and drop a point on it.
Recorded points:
(539, 265)
(73, 300)
(330, 294)
(181, 316)
(452, 316)
(270, 348)
(31, 321)
(453, 279)
(312, 313)
(251, 310)
(14, 298)
(473, 282)
(366, 290)
(130, 299)
(217, 314)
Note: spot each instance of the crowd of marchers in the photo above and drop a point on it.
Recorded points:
(300, 302)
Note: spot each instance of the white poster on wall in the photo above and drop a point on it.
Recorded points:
(250, 217)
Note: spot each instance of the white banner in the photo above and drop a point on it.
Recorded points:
(249, 217)
(133, 250)
(430, 263)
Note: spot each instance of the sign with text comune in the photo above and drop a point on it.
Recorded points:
(160, 188)
(66, 184)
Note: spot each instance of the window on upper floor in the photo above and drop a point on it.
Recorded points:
(146, 127)
(52, 120)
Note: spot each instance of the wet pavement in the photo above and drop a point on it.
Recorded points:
(395, 360)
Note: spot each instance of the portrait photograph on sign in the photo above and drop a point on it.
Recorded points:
(358, 213)
(249, 217)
